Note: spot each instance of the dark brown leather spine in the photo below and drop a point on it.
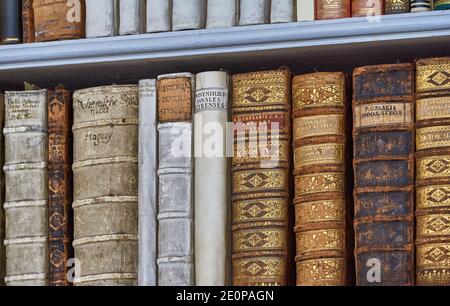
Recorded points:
(27, 21)
(60, 185)
(397, 6)
(59, 19)
(332, 9)
(383, 133)
(366, 8)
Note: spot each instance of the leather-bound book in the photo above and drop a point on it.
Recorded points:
(397, 7)
(59, 185)
(421, 6)
(221, 14)
(211, 178)
(332, 9)
(323, 187)
(254, 12)
(188, 14)
(260, 176)
(102, 18)
(305, 10)
(11, 22)
(367, 8)
(148, 182)
(159, 16)
(105, 174)
(58, 19)
(383, 133)
(26, 198)
(132, 17)
(441, 5)
(27, 21)
(283, 11)
(176, 182)
(433, 173)
(2, 195)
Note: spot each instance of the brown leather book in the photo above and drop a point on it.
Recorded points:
(27, 21)
(366, 8)
(59, 19)
(397, 7)
(59, 185)
(323, 208)
(383, 133)
(261, 180)
(433, 171)
(332, 9)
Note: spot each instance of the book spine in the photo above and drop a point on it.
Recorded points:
(101, 18)
(441, 5)
(254, 12)
(397, 6)
(211, 177)
(132, 17)
(332, 9)
(2, 195)
(159, 16)
(260, 176)
(305, 10)
(11, 22)
(176, 167)
(58, 20)
(147, 183)
(433, 175)
(27, 21)
(105, 185)
(59, 186)
(383, 133)
(221, 14)
(421, 6)
(188, 14)
(26, 198)
(322, 208)
(367, 8)
(282, 11)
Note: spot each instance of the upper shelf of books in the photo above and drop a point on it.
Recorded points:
(303, 46)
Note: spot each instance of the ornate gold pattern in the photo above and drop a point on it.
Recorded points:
(318, 126)
(326, 95)
(260, 269)
(433, 225)
(433, 196)
(320, 211)
(329, 153)
(255, 180)
(320, 240)
(326, 271)
(433, 256)
(433, 137)
(255, 151)
(248, 240)
(433, 108)
(433, 76)
(433, 167)
(260, 209)
(319, 183)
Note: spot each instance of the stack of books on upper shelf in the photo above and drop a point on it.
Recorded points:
(49, 20)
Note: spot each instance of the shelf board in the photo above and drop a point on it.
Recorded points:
(303, 46)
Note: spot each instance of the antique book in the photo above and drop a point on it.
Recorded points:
(148, 146)
(176, 194)
(323, 205)
(26, 197)
(11, 22)
(305, 10)
(441, 5)
(221, 14)
(421, 6)
(2, 195)
(383, 133)
(397, 6)
(59, 185)
(188, 14)
(367, 8)
(159, 16)
(27, 21)
(261, 114)
(283, 11)
(211, 178)
(132, 17)
(332, 9)
(102, 18)
(433, 175)
(105, 175)
(58, 20)
(254, 12)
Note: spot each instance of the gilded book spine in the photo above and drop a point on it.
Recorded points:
(211, 178)
(159, 16)
(10, 22)
(254, 12)
(58, 19)
(305, 10)
(27, 21)
(105, 171)
(441, 5)
(26, 198)
(383, 133)
(261, 181)
(397, 6)
(332, 9)
(421, 6)
(2, 195)
(282, 11)
(102, 18)
(176, 166)
(188, 14)
(132, 17)
(59, 186)
(221, 14)
(367, 8)
(433, 173)
(322, 209)
(148, 145)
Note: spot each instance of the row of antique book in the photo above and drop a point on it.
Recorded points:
(46, 20)
(166, 192)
